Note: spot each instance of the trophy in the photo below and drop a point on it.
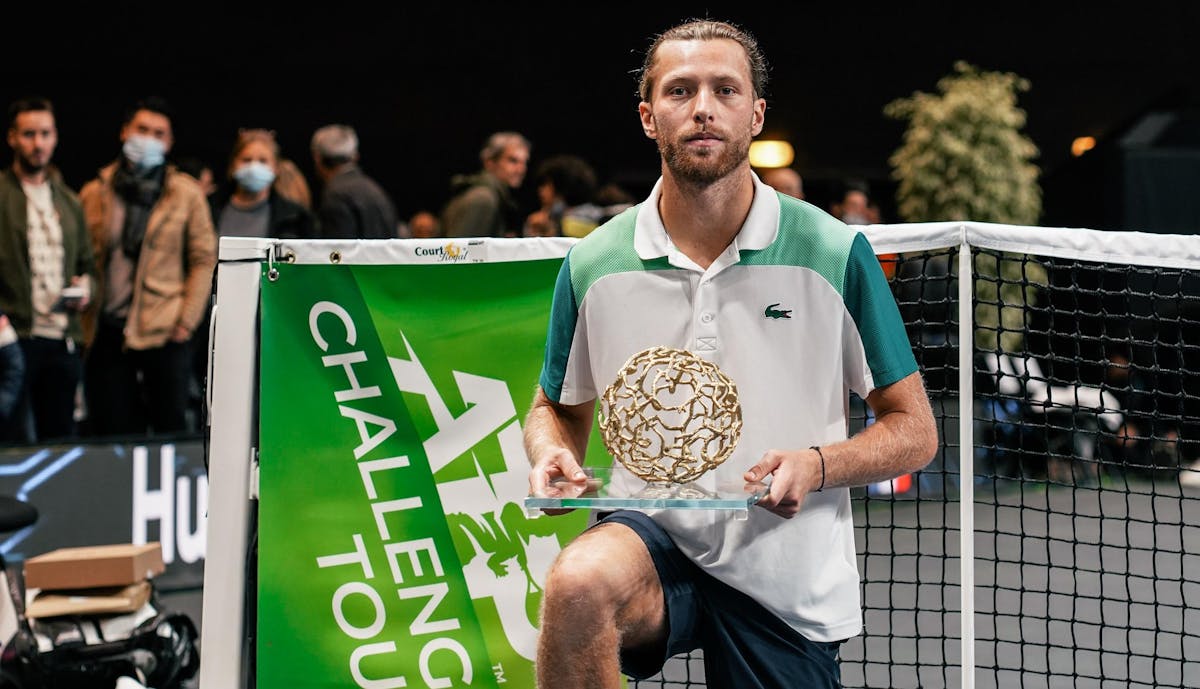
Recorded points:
(668, 418)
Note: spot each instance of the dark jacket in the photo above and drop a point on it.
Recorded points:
(12, 372)
(353, 206)
(480, 206)
(287, 219)
(16, 281)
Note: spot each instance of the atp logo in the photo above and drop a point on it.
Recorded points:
(505, 552)
(775, 314)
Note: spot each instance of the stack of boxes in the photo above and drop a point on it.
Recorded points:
(92, 580)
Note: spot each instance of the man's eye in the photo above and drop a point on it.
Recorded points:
(678, 91)
(727, 91)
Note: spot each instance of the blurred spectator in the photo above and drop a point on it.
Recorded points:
(784, 180)
(614, 200)
(856, 208)
(483, 204)
(353, 206)
(254, 207)
(12, 372)
(201, 171)
(156, 249)
(46, 270)
(251, 206)
(1148, 435)
(424, 225)
(566, 185)
(291, 184)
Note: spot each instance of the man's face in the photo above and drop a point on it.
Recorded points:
(854, 208)
(702, 111)
(509, 166)
(148, 123)
(33, 138)
(784, 180)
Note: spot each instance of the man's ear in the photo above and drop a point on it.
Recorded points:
(646, 112)
(760, 116)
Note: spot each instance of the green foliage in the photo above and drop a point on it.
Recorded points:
(964, 157)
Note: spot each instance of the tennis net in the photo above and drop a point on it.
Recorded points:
(1068, 555)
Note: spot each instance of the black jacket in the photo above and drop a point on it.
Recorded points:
(287, 219)
(353, 206)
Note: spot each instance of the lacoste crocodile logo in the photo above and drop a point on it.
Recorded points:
(773, 312)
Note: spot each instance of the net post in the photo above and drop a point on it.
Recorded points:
(966, 456)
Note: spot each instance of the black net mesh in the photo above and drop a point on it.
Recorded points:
(1086, 532)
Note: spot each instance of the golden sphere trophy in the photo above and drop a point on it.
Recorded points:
(668, 418)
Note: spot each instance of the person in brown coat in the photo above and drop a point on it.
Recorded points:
(155, 248)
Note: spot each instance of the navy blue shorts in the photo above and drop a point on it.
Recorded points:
(745, 645)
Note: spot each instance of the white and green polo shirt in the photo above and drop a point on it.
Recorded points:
(797, 312)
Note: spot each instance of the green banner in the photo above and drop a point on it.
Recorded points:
(394, 550)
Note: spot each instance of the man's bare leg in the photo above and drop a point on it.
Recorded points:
(602, 594)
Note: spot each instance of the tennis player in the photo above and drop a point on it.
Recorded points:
(794, 307)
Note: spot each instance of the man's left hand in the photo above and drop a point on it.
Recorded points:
(794, 474)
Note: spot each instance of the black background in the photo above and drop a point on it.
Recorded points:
(425, 83)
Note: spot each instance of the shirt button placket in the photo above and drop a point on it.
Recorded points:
(706, 317)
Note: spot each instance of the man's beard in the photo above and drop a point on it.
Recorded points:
(703, 169)
(28, 166)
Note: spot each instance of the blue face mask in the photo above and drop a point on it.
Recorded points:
(144, 152)
(254, 177)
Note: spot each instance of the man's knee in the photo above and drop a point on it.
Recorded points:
(606, 574)
(581, 579)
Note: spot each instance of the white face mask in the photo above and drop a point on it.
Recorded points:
(144, 152)
(254, 177)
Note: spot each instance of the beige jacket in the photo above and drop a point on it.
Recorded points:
(173, 278)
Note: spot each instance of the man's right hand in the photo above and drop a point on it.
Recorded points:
(551, 431)
(557, 463)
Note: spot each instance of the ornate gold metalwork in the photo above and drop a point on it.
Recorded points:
(670, 416)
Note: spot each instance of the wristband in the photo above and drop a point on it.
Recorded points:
(822, 486)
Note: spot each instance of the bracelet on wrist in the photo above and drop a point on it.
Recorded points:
(822, 456)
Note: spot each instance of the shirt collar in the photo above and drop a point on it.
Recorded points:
(650, 238)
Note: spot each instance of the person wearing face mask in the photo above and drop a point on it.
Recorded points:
(155, 249)
(252, 207)
(856, 208)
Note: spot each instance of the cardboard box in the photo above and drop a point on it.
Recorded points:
(94, 566)
(96, 601)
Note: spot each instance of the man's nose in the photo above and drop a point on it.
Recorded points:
(703, 112)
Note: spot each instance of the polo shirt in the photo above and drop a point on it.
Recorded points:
(797, 312)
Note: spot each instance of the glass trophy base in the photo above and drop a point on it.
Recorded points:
(599, 493)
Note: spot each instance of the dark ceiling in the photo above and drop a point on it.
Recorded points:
(425, 86)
